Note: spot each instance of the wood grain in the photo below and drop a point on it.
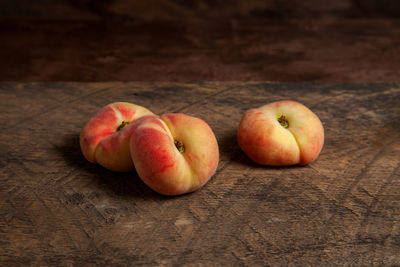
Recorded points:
(325, 50)
(58, 209)
(183, 41)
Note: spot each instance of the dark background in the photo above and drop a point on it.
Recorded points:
(176, 40)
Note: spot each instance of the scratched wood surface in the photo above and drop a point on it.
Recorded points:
(58, 209)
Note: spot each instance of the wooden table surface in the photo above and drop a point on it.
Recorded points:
(58, 209)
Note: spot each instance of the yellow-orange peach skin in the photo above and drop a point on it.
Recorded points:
(105, 137)
(174, 154)
(281, 133)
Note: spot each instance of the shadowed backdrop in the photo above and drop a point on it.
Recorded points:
(175, 40)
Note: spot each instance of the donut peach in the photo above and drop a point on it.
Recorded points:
(105, 137)
(281, 133)
(175, 153)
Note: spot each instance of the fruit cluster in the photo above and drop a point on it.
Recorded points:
(175, 153)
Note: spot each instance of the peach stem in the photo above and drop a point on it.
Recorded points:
(123, 124)
(179, 145)
(283, 121)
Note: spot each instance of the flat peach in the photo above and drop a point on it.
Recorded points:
(281, 133)
(174, 154)
(105, 138)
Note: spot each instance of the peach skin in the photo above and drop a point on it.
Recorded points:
(105, 137)
(174, 154)
(281, 133)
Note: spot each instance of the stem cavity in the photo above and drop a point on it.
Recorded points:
(283, 121)
(123, 124)
(179, 145)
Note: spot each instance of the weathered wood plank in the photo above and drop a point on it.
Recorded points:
(58, 209)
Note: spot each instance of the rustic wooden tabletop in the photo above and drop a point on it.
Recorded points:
(58, 209)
